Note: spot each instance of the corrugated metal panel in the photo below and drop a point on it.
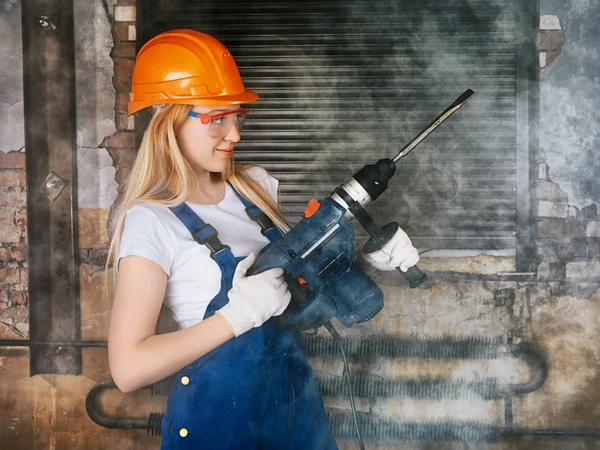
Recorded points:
(343, 84)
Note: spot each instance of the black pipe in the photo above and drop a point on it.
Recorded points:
(152, 424)
(341, 426)
(548, 432)
(30, 343)
(367, 387)
(391, 347)
(539, 368)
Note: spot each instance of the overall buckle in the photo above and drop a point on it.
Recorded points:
(208, 236)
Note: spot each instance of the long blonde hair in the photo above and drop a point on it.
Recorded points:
(162, 175)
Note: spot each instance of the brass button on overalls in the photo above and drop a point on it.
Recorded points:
(185, 381)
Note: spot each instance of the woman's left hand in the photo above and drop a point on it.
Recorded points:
(398, 251)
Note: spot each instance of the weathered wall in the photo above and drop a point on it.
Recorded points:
(47, 411)
(559, 311)
(13, 220)
(570, 94)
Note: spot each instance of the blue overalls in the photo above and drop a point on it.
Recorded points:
(256, 391)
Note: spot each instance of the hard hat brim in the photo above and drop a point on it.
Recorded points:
(245, 97)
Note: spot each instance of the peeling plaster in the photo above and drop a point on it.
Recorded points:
(481, 264)
(569, 99)
(549, 22)
(12, 131)
(97, 187)
(94, 69)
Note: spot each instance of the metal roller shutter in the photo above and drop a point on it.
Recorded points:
(343, 84)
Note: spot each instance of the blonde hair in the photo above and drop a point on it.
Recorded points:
(162, 175)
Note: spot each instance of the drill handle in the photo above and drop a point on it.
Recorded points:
(414, 276)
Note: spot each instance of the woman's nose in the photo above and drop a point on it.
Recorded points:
(234, 134)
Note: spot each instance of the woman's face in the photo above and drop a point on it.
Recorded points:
(204, 152)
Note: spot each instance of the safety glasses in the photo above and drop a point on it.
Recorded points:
(219, 125)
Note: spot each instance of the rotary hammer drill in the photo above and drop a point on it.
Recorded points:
(318, 252)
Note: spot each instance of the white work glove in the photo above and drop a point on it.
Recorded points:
(256, 298)
(398, 251)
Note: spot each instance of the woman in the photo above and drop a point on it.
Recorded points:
(186, 233)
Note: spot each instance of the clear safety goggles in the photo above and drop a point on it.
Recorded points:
(219, 125)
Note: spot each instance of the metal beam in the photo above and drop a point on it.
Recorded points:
(52, 228)
(528, 16)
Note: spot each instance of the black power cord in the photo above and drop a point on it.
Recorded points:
(338, 339)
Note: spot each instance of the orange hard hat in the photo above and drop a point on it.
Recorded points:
(186, 67)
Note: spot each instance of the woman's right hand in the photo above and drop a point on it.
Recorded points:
(255, 299)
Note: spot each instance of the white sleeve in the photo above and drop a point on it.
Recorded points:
(144, 234)
(269, 183)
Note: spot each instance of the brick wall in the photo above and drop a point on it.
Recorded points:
(14, 301)
(551, 40)
(121, 145)
(568, 238)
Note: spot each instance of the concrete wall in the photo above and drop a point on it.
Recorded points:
(570, 134)
(559, 312)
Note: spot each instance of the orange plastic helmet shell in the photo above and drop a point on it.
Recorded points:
(186, 67)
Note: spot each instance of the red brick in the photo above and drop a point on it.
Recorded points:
(9, 276)
(98, 256)
(24, 276)
(9, 232)
(19, 297)
(14, 254)
(121, 102)
(19, 314)
(122, 121)
(9, 178)
(19, 253)
(123, 49)
(122, 175)
(551, 40)
(124, 67)
(122, 157)
(13, 197)
(21, 218)
(4, 296)
(122, 139)
(12, 160)
(121, 32)
(12, 178)
(122, 84)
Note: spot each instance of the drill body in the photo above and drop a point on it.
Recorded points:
(317, 255)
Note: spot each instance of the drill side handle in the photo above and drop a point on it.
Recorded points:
(414, 276)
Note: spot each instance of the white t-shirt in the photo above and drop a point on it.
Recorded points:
(194, 278)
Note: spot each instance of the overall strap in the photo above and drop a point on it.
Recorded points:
(202, 232)
(267, 227)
